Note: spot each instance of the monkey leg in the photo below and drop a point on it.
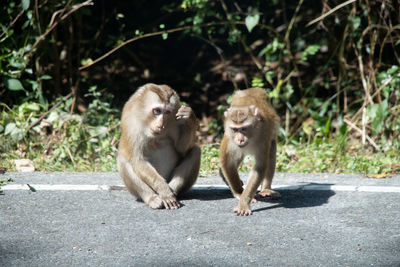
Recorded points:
(224, 179)
(254, 200)
(185, 174)
(229, 174)
(266, 190)
(136, 186)
(247, 196)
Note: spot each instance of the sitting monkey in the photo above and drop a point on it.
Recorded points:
(158, 158)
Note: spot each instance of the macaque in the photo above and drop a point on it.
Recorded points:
(250, 126)
(158, 158)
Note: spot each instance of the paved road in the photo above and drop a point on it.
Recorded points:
(85, 219)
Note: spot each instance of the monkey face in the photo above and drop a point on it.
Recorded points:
(239, 123)
(160, 118)
(159, 108)
(240, 135)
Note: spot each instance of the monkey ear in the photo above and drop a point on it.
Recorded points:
(256, 112)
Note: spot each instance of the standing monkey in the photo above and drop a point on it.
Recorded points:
(157, 155)
(250, 126)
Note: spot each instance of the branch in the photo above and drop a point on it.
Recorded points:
(245, 46)
(287, 42)
(330, 12)
(12, 23)
(53, 24)
(152, 34)
(353, 126)
(50, 110)
(372, 96)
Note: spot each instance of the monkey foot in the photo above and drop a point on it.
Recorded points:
(171, 203)
(269, 193)
(242, 212)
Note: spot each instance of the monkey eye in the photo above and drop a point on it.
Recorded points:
(156, 111)
(167, 112)
(241, 130)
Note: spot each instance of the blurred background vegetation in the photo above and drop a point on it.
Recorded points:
(332, 69)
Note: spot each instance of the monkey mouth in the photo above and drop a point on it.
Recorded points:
(242, 145)
(156, 132)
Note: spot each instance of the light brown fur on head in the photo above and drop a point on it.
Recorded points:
(165, 95)
(251, 108)
(237, 115)
(142, 102)
(258, 98)
(251, 126)
(157, 155)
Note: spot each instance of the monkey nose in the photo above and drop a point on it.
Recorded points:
(160, 128)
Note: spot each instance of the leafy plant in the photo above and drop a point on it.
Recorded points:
(5, 181)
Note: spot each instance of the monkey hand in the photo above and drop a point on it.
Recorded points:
(170, 202)
(184, 113)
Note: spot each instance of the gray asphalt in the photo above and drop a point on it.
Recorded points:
(109, 228)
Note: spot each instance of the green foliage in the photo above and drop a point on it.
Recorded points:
(251, 21)
(14, 85)
(334, 82)
(62, 141)
(5, 181)
(209, 159)
(383, 117)
(335, 156)
(14, 47)
(257, 82)
(311, 50)
(319, 156)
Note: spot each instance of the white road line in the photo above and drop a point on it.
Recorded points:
(62, 187)
(307, 187)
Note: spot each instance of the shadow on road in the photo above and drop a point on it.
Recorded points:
(290, 199)
(207, 195)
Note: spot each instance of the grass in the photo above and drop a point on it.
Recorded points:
(316, 157)
(4, 181)
(72, 142)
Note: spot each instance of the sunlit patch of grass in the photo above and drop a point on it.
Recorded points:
(209, 159)
(325, 157)
(330, 156)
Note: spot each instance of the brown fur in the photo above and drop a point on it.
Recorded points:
(157, 166)
(251, 108)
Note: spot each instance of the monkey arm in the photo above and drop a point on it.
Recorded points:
(187, 139)
(147, 173)
(229, 165)
(233, 179)
(187, 126)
